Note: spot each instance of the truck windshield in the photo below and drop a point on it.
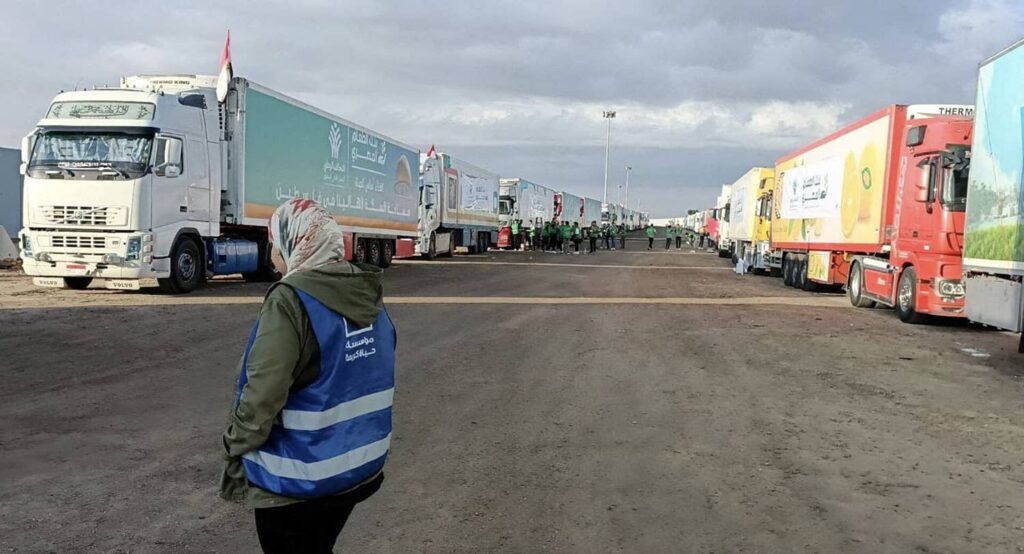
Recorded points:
(954, 178)
(505, 206)
(85, 154)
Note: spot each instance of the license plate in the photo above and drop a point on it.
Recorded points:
(75, 269)
(55, 282)
(123, 284)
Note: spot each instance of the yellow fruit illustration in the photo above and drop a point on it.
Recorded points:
(818, 225)
(869, 173)
(850, 206)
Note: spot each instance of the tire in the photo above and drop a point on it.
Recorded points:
(431, 247)
(77, 283)
(906, 298)
(187, 268)
(800, 273)
(855, 287)
(373, 255)
(387, 250)
(266, 272)
(359, 256)
(787, 270)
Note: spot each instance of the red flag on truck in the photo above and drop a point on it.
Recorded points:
(226, 73)
(431, 152)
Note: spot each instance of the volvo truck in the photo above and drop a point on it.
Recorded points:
(156, 179)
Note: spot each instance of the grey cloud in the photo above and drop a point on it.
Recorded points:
(425, 72)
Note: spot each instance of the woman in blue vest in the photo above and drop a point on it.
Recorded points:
(310, 425)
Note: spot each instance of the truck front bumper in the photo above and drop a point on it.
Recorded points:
(94, 255)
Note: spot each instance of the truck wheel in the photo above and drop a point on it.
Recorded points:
(387, 252)
(374, 255)
(906, 297)
(799, 273)
(787, 270)
(855, 288)
(77, 283)
(187, 270)
(805, 281)
(359, 256)
(431, 247)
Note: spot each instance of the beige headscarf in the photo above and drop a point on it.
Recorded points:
(306, 235)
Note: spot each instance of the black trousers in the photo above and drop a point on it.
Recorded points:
(622, 242)
(593, 244)
(679, 241)
(311, 526)
(650, 242)
(668, 243)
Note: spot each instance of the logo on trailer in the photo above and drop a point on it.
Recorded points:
(335, 139)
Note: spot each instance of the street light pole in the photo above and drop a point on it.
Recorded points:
(609, 115)
(628, 169)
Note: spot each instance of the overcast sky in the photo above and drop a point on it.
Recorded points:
(704, 89)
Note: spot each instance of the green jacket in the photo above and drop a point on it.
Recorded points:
(566, 231)
(515, 228)
(285, 356)
(669, 232)
(594, 231)
(651, 232)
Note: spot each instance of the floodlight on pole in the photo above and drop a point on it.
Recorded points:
(609, 115)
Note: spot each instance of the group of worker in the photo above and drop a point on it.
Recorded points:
(565, 237)
(672, 232)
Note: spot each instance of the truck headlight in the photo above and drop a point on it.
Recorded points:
(134, 247)
(949, 288)
(26, 246)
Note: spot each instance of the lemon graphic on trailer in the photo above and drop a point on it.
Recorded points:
(868, 163)
(850, 205)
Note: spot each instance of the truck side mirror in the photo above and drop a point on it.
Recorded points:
(925, 182)
(170, 166)
(27, 142)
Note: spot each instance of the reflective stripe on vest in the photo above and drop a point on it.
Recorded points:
(336, 432)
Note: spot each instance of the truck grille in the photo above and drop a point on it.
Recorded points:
(83, 215)
(81, 242)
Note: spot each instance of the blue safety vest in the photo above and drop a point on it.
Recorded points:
(335, 433)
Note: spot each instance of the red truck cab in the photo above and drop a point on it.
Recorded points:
(922, 272)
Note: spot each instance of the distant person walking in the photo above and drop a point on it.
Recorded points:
(651, 232)
(592, 234)
(622, 237)
(668, 237)
(294, 449)
(679, 236)
(577, 235)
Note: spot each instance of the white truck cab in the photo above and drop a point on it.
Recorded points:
(115, 177)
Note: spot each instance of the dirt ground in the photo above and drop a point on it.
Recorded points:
(620, 402)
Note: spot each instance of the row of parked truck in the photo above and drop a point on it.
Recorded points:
(917, 208)
(157, 178)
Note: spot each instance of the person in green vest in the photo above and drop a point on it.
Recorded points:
(622, 236)
(669, 233)
(565, 234)
(650, 232)
(577, 236)
(545, 237)
(517, 238)
(553, 235)
(679, 236)
(532, 233)
(592, 233)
